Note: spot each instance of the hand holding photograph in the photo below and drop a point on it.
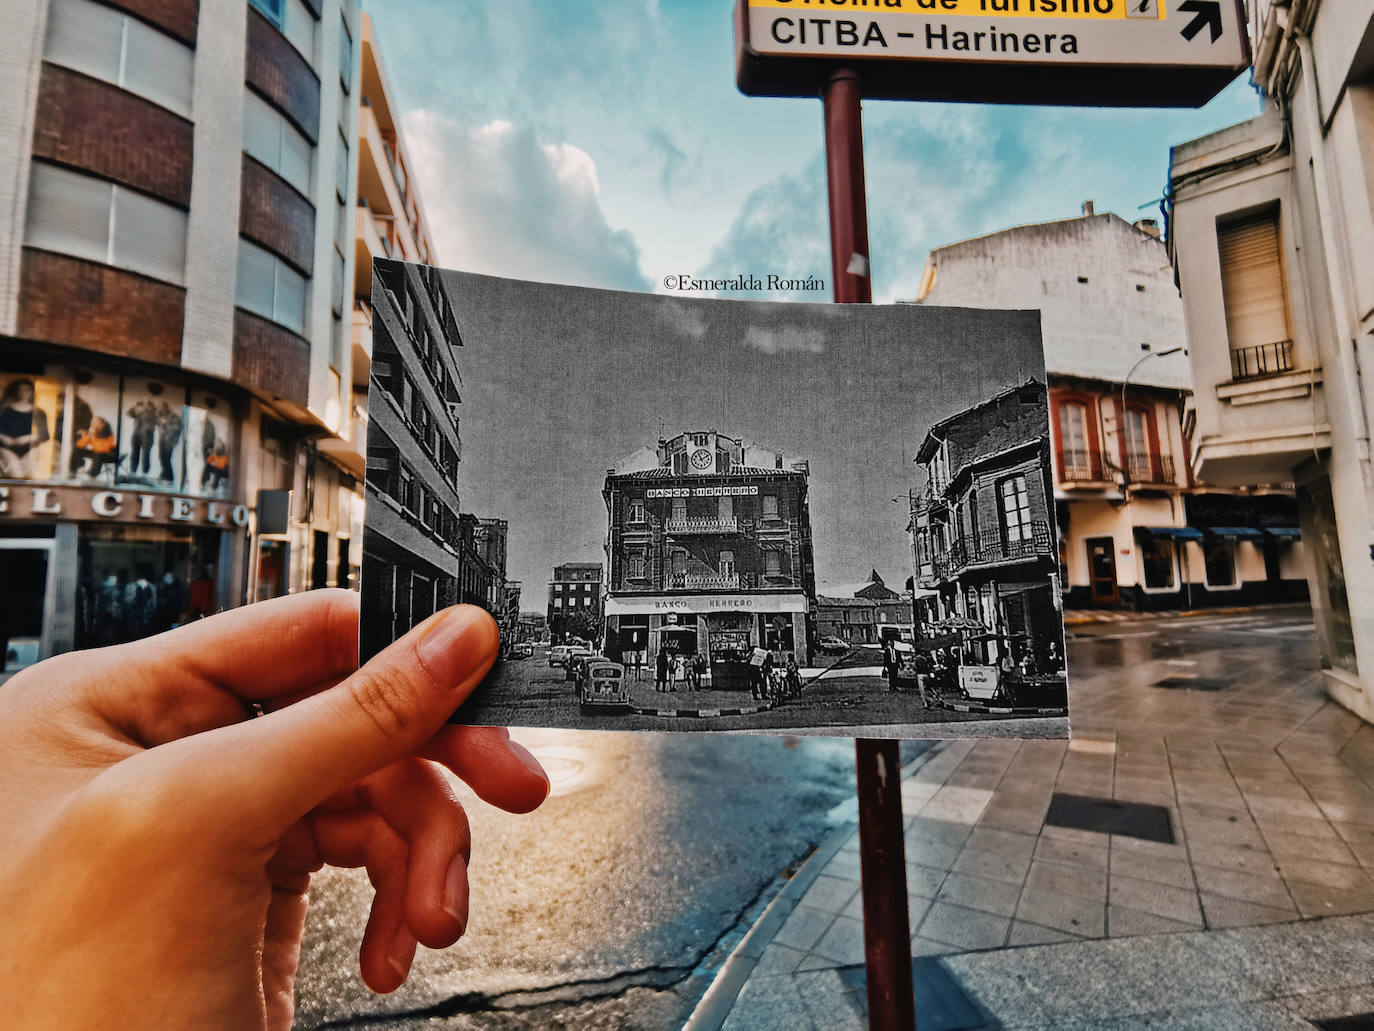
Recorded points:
(692, 514)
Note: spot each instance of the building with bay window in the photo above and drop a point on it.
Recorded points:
(709, 552)
(1136, 523)
(174, 323)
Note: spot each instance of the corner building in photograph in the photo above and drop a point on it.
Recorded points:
(710, 553)
(984, 527)
(175, 372)
(574, 599)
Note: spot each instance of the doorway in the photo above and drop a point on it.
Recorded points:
(25, 572)
(1102, 570)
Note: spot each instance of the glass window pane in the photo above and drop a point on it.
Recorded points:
(68, 213)
(345, 58)
(157, 67)
(255, 287)
(290, 303)
(295, 157)
(261, 130)
(149, 236)
(298, 25)
(84, 36)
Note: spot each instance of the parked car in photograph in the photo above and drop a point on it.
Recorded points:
(832, 645)
(523, 650)
(576, 658)
(601, 685)
(558, 654)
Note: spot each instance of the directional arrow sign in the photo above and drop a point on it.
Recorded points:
(1101, 53)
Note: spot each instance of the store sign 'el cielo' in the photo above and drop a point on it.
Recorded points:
(1095, 53)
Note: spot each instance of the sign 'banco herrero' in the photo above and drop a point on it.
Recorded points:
(676, 509)
(1137, 53)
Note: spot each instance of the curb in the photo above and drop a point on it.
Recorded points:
(1007, 710)
(715, 1005)
(699, 713)
(1112, 616)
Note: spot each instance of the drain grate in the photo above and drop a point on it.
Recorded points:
(1354, 1022)
(1192, 683)
(1111, 816)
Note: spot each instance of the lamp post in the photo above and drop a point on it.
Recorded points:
(1125, 383)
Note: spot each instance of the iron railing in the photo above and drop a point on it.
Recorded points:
(1262, 360)
(1081, 466)
(1150, 468)
(1033, 541)
(702, 524)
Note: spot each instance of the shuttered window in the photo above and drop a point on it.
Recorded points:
(1255, 296)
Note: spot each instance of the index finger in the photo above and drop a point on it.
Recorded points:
(273, 647)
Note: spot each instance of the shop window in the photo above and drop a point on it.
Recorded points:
(1157, 563)
(107, 44)
(636, 510)
(271, 139)
(269, 287)
(1219, 560)
(94, 219)
(1016, 516)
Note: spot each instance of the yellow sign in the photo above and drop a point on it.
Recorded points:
(1091, 10)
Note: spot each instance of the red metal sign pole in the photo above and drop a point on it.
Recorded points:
(882, 855)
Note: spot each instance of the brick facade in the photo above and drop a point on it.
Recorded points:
(91, 125)
(274, 215)
(175, 17)
(99, 308)
(269, 359)
(277, 71)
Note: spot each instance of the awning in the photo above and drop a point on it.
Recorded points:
(1244, 533)
(1284, 533)
(1182, 533)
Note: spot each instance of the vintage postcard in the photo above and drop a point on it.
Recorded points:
(691, 514)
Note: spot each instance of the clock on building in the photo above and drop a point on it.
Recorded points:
(702, 459)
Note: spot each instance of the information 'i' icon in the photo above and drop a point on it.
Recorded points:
(1142, 8)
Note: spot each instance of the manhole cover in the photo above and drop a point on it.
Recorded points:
(1192, 683)
(1111, 816)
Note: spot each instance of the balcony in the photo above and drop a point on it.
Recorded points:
(1079, 466)
(362, 344)
(703, 582)
(1158, 469)
(1262, 360)
(702, 524)
(1038, 543)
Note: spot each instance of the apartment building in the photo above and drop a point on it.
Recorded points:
(175, 362)
(1138, 528)
(1271, 232)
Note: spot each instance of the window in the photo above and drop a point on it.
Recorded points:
(91, 218)
(772, 563)
(679, 508)
(636, 510)
(727, 563)
(971, 515)
(1157, 563)
(1255, 296)
(636, 564)
(558, 603)
(679, 563)
(557, 588)
(1016, 521)
(345, 56)
(271, 139)
(1073, 440)
(107, 44)
(770, 506)
(1138, 464)
(1219, 559)
(269, 287)
(294, 20)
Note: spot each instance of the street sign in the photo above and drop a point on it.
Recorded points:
(1083, 53)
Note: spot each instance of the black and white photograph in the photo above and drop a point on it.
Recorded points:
(718, 515)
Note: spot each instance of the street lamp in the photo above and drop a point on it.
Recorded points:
(1127, 382)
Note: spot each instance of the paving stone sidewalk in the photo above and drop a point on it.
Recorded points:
(1257, 915)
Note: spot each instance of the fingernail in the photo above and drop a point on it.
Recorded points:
(456, 892)
(527, 757)
(459, 642)
(402, 949)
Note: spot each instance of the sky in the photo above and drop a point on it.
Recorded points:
(605, 144)
(560, 384)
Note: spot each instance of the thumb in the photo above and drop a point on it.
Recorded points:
(277, 768)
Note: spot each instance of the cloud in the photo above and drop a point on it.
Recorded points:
(501, 201)
(809, 339)
(674, 158)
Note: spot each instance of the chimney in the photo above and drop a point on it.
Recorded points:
(1088, 209)
(1149, 226)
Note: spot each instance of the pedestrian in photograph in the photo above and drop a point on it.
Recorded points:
(661, 671)
(199, 821)
(698, 670)
(23, 427)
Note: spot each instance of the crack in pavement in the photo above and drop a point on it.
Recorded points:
(656, 977)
